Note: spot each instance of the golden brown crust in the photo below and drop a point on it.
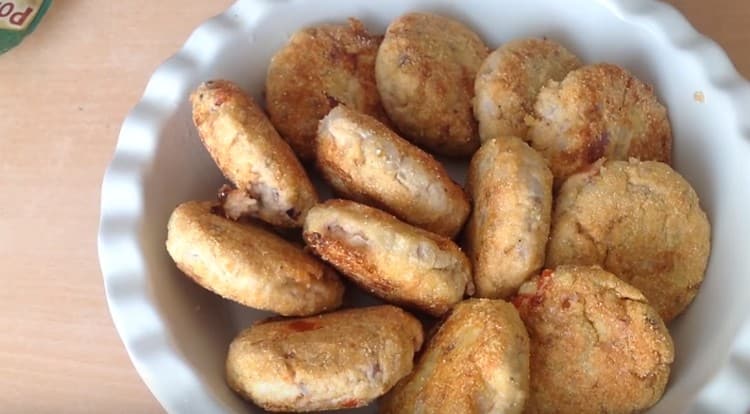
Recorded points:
(509, 80)
(596, 344)
(363, 159)
(394, 260)
(319, 68)
(343, 359)
(639, 220)
(598, 111)
(477, 362)
(425, 73)
(271, 183)
(506, 235)
(249, 265)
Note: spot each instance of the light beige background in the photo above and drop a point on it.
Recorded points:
(63, 95)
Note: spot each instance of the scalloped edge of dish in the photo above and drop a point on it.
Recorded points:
(149, 342)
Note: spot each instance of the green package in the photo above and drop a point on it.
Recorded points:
(18, 18)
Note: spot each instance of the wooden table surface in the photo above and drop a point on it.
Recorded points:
(63, 95)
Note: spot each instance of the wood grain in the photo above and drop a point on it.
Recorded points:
(63, 94)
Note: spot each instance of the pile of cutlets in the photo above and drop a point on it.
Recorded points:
(548, 278)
